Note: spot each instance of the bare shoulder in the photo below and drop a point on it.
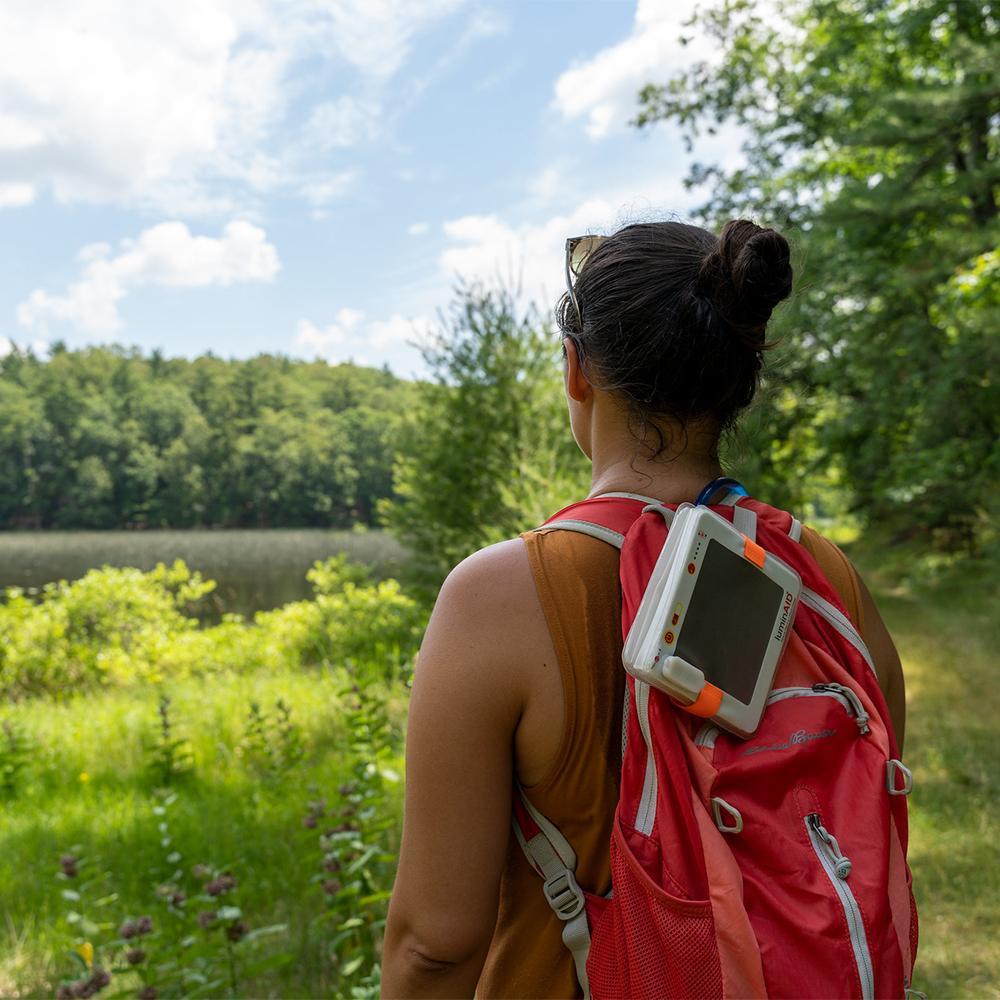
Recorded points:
(497, 574)
(485, 619)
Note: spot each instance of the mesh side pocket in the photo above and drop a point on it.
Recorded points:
(648, 944)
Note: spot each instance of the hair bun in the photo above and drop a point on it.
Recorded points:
(747, 275)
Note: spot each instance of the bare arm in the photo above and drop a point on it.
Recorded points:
(464, 710)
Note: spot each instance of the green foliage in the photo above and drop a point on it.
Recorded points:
(102, 437)
(169, 755)
(486, 452)
(359, 852)
(119, 627)
(15, 752)
(873, 141)
(272, 743)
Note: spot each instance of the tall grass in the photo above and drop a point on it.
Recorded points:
(944, 622)
(253, 569)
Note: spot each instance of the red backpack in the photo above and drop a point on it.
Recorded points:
(773, 866)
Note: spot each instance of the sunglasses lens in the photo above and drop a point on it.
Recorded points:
(581, 250)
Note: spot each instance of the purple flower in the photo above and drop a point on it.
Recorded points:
(207, 917)
(332, 886)
(220, 885)
(235, 931)
(147, 993)
(135, 956)
(68, 863)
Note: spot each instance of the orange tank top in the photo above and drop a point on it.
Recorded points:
(576, 577)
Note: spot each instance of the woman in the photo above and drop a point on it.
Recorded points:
(520, 669)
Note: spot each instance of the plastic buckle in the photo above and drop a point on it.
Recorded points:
(892, 768)
(720, 805)
(564, 895)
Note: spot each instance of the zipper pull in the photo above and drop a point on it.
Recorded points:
(860, 715)
(841, 863)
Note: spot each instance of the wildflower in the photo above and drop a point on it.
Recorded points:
(178, 898)
(129, 929)
(220, 885)
(332, 886)
(207, 917)
(68, 863)
(84, 776)
(309, 821)
(65, 992)
(235, 931)
(331, 865)
(135, 956)
(147, 993)
(201, 871)
(145, 925)
(86, 952)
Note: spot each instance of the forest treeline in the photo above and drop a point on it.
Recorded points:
(872, 140)
(104, 437)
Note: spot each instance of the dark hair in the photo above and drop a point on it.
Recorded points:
(674, 317)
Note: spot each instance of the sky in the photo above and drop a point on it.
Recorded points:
(311, 177)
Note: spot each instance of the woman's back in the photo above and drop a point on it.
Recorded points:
(573, 768)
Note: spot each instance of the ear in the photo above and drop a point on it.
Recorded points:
(577, 385)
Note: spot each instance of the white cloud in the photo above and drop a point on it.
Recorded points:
(321, 340)
(418, 228)
(321, 192)
(166, 254)
(343, 122)
(181, 105)
(16, 195)
(604, 88)
(342, 338)
(397, 330)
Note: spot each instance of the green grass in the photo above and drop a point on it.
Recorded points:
(947, 631)
(226, 814)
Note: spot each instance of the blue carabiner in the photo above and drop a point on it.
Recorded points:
(734, 485)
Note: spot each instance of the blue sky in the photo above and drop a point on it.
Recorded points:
(309, 176)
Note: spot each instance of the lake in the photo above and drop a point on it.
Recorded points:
(254, 568)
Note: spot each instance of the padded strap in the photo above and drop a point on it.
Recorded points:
(608, 535)
(745, 521)
(552, 856)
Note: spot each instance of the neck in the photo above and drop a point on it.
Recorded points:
(618, 466)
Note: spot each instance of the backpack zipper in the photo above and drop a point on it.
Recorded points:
(838, 867)
(706, 735)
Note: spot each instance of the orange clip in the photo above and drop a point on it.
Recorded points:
(707, 703)
(753, 552)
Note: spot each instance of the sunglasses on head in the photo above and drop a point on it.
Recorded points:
(578, 249)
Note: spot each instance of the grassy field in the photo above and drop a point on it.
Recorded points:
(91, 794)
(948, 634)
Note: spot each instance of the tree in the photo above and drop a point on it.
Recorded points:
(487, 452)
(873, 139)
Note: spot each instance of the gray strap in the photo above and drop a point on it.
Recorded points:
(609, 535)
(745, 521)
